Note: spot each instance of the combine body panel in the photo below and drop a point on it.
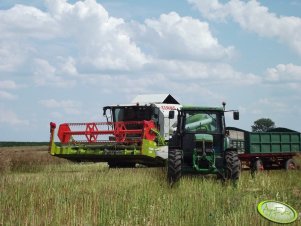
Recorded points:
(260, 150)
(133, 133)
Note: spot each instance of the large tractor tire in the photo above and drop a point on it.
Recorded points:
(233, 165)
(174, 170)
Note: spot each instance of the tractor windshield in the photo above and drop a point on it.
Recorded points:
(202, 122)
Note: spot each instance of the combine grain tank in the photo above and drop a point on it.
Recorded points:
(132, 133)
(260, 150)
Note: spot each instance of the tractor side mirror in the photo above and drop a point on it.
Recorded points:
(171, 115)
(236, 115)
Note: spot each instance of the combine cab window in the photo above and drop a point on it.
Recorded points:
(201, 122)
(128, 114)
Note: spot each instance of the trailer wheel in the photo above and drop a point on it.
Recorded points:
(290, 164)
(233, 165)
(258, 165)
(174, 165)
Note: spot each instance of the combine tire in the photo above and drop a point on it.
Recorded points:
(290, 164)
(233, 166)
(174, 165)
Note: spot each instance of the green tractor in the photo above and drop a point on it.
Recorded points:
(201, 144)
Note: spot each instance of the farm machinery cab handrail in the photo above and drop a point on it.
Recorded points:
(200, 144)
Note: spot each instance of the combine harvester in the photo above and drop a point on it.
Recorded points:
(133, 133)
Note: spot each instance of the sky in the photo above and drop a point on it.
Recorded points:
(62, 61)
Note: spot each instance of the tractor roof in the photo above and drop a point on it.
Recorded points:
(201, 108)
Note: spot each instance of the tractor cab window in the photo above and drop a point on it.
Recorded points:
(198, 122)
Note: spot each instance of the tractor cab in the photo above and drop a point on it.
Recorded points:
(199, 145)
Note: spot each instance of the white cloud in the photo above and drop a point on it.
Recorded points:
(4, 95)
(206, 72)
(173, 37)
(273, 102)
(44, 74)
(254, 17)
(27, 22)
(83, 33)
(8, 84)
(100, 40)
(11, 118)
(284, 73)
(68, 106)
(12, 54)
(68, 66)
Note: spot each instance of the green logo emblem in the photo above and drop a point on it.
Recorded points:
(277, 212)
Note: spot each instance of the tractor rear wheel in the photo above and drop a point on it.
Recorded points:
(174, 170)
(233, 165)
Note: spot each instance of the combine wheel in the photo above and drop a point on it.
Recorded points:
(290, 164)
(174, 165)
(233, 165)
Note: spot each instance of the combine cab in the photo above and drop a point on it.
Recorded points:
(133, 133)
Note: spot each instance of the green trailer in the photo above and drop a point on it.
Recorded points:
(273, 149)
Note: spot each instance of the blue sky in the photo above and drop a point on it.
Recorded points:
(62, 61)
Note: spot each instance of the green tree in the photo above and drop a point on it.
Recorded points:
(263, 125)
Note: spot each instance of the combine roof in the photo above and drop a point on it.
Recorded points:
(155, 99)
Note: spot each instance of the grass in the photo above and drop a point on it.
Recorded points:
(21, 144)
(93, 194)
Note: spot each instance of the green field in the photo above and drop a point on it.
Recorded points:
(37, 189)
(18, 144)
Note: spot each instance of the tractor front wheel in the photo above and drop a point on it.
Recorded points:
(233, 166)
(174, 165)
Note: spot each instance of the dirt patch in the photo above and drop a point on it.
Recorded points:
(14, 158)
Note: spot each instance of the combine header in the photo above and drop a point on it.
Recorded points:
(134, 133)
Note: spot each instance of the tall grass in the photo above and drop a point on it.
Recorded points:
(93, 194)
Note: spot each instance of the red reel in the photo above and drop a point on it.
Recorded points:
(91, 136)
(120, 131)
